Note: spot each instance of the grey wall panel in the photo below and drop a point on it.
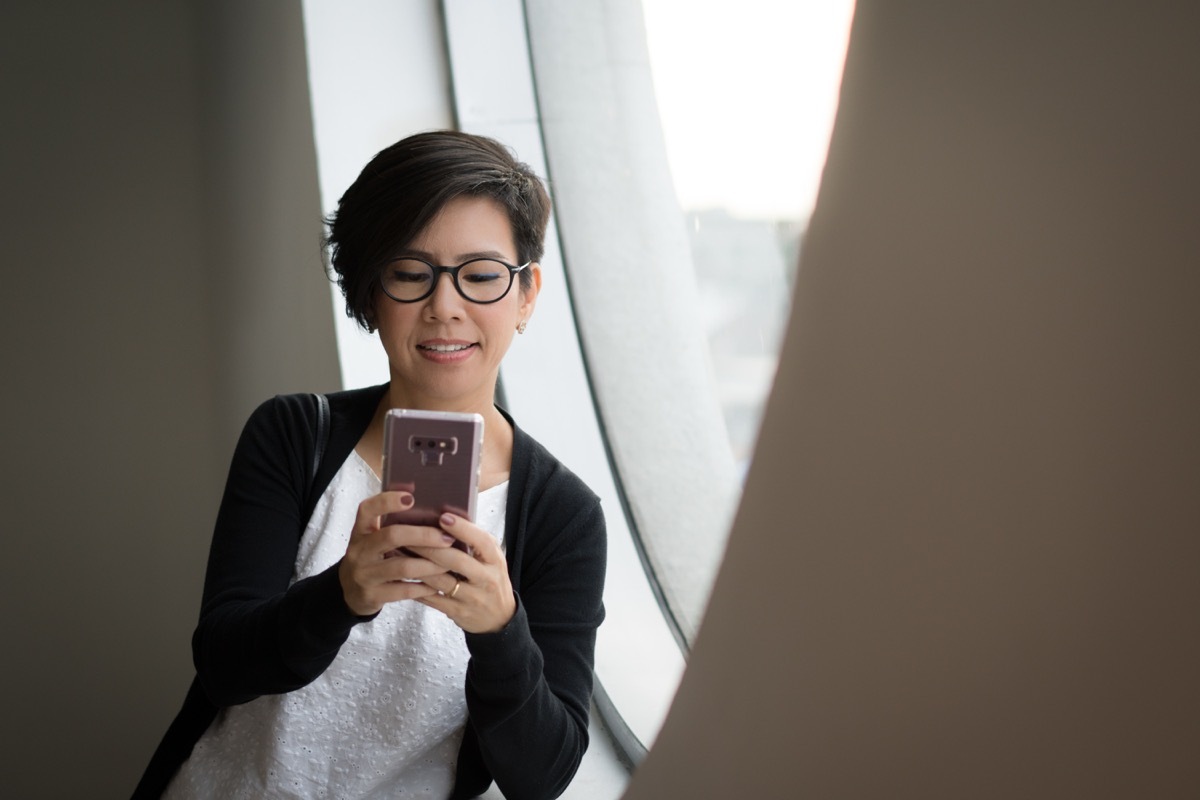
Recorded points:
(160, 277)
(965, 562)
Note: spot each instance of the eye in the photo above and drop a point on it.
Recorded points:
(482, 272)
(407, 272)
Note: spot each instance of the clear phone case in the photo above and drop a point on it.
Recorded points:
(435, 455)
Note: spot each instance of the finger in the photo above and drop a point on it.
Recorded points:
(449, 585)
(483, 545)
(367, 585)
(403, 568)
(447, 588)
(385, 555)
(451, 559)
(373, 508)
(414, 536)
(404, 590)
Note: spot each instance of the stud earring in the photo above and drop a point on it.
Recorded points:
(521, 326)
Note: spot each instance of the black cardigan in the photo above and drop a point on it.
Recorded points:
(528, 687)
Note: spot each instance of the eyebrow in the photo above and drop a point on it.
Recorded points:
(462, 257)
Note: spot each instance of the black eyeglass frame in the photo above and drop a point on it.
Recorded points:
(453, 272)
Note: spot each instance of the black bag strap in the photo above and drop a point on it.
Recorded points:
(322, 437)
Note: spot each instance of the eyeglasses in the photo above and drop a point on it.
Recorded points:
(480, 280)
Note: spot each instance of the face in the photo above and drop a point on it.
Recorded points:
(444, 351)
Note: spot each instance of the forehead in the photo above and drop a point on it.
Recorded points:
(466, 226)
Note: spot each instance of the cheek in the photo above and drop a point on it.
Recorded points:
(500, 327)
(393, 322)
(511, 315)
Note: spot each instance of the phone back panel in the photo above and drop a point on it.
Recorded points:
(435, 456)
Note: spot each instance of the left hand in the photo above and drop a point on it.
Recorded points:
(484, 601)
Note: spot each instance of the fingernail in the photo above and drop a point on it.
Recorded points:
(447, 538)
(406, 500)
(448, 519)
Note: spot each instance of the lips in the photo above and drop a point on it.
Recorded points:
(445, 348)
(445, 351)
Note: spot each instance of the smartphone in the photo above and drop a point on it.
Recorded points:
(435, 456)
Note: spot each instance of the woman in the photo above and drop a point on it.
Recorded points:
(326, 668)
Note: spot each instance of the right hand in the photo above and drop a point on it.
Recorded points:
(374, 571)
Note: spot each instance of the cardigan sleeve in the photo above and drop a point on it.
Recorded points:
(258, 635)
(529, 685)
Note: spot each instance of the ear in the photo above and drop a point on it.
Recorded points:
(529, 296)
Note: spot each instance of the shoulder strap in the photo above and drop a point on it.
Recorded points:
(322, 437)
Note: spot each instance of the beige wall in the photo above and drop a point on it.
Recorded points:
(161, 276)
(966, 560)
(965, 563)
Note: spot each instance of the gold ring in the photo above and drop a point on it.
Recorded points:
(454, 591)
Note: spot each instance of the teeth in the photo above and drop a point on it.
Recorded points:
(445, 348)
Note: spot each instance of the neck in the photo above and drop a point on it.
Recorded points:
(482, 402)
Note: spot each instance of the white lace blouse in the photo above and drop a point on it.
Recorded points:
(385, 720)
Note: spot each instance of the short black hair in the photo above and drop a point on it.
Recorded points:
(404, 187)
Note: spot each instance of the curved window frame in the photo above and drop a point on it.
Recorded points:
(638, 660)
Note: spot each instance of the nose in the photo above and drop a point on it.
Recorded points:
(445, 303)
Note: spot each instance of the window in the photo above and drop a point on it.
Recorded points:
(681, 190)
(667, 274)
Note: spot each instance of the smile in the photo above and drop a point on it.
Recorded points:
(444, 348)
(447, 353)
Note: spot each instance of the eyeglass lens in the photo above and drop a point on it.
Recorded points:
(481, 280)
